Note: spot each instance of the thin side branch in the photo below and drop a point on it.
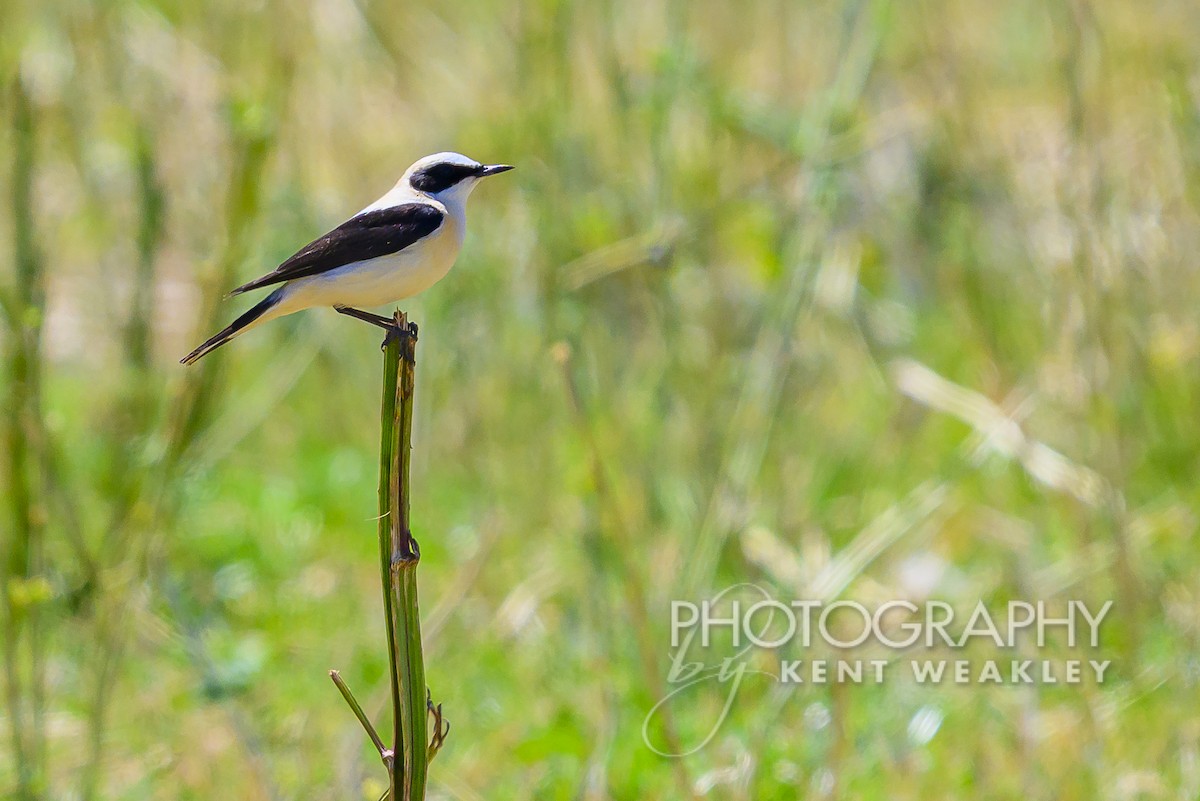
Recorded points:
(385, 753)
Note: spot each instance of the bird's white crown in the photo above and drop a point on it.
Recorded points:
(445, 157)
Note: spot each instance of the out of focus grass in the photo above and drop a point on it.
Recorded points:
(770, 275)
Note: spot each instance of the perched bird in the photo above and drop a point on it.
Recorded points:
(400, 245)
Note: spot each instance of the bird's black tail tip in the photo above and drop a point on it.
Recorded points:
(234, 328)
(208, 347)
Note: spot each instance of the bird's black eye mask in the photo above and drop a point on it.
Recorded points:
(439, 177)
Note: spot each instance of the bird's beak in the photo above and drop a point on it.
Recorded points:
(494, 169)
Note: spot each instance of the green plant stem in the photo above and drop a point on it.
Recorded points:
(25, 436)
(399, 557)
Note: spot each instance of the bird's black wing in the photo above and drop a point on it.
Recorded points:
(364, 236)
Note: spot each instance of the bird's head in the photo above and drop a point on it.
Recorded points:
(449, 177)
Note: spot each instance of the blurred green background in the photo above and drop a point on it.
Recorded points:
(859, 300)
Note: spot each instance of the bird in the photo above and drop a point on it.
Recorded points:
(400, 245)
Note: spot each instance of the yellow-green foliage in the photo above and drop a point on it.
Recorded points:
(757, 304)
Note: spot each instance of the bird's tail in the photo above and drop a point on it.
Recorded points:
(239, 325)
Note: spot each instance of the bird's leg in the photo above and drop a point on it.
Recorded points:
(374, 319)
